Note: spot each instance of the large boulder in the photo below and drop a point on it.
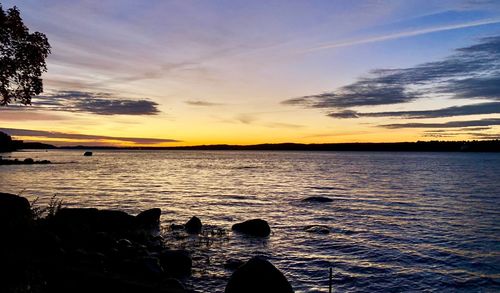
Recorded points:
(193, 226)
(258, 275)
(13, 209)
(254, 227)
(176, 263)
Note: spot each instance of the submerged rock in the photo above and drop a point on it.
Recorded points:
(317, 229)
(258, 275)
(193, 226)
(317, 199)
(254, 227)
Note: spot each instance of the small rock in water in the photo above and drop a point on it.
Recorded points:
(317, 229)
(87, 154)
(255, 227)
(258, 275)
(318, 199)
(29, 161)
(193, 226)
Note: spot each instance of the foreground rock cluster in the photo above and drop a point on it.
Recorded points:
(91, 250)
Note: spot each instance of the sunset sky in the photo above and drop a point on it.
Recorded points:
(247, 72)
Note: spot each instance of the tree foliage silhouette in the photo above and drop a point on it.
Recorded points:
(22, 59)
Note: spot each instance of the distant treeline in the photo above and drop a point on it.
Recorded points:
(7, 144)
(420, 146)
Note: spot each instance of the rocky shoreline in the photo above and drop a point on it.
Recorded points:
(27, 161)
(58, 249)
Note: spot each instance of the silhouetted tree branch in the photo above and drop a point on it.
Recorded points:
(22, 59)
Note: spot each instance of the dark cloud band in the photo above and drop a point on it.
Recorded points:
(95, 103)
(63, 135)
(474, 109)
(471, 73)
(451, 124)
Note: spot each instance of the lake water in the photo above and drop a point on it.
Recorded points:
(399, 222)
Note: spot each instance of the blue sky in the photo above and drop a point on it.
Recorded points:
(193, 72)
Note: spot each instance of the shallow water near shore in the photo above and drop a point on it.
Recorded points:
(398, 221)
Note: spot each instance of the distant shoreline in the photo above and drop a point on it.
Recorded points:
(419, 146)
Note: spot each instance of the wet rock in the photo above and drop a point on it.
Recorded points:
(317, 199)
(254, 227)
(88, 154)
(258, 275)
(232, 264)
(176, 263)
(149, 218)
(193, 226)
(317, 229)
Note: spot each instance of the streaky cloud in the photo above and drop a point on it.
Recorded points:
(451, 124)
(474, 109)
(76, 136)
(470, 73)
(404, 34)
(202, 103)
(95, 103)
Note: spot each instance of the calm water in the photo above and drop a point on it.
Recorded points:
(399, 221)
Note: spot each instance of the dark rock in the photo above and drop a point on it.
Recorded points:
(29, 161)
(177, 263)
(13, 209)
(174, 227)
(255, 227)
(258, 275)
(150, 266)
(317, 199)
(87, 154)
(110, 220)
(149, 218)
(93, 220)
(193, 226)
(233, 264)
(173, 284)
(317, 229)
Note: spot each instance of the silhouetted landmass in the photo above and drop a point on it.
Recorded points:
(7, 144)
(420, 146)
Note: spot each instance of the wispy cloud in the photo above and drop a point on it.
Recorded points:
(202, 103)
(86, 137)
(450, 124)
(404, 34)
(474, 109)
(95, 103)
